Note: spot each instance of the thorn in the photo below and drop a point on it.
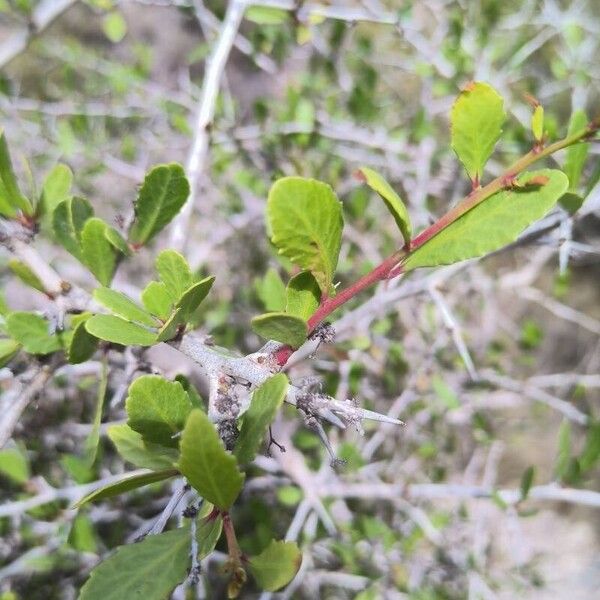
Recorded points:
(331, 417)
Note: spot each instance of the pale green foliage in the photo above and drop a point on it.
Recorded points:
(476, 125)
(537, 123)
(32, 332)
(174, 272)
(128, 483)
(14, 465)
(208, 529)
(97, 252)
(391, 199)
(56, 188)
(68, 220)
(11, 198)
(271, 291)
(281, 327)
(157, 300)
(123, 306)
(25, 274)
(119, 331)
(276, 565)
(302, 295)
(266, 401)
(146, 455)
(493, 223)
(576, 155)
(157, 409)
(306, 221)
(149, 569)
(164, 192)
(208, 467)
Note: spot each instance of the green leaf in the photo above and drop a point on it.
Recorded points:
(157, 300)
(32, 332)
(114, 26)
(306, 221)
(266, 401)
(128, 483)
(8, 349)
(266, 15)
(123, 306)
(192, 297)
(164, 192)
(56, 188)
(527, 481)
(119, 331)
(302, 295)
(576, 154)
(208, 529)
(157, 409)
(476, 123)
(281, 327)
(276, 565)
(117, 241)
(537, 123)
(25, 274)
(82, 344)
(492, 224)
(393, 202)
(14, 465)
(97, 253)
(93, 438)
(192, 392)
(82, 536)
(10, 187)
(131, 447)
(174, 272)
(68, 220)
(564, 450)
(590, 455)
(209, 468)
(148, 570)
(571, 202)
(271, 291)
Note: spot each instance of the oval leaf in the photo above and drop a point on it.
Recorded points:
(157, 409)
(276, 565)
(32, 332)
(476, 123)
(131, 447)
(266, 401)
(209, 468)
(157, 300)
(82, 344)
(302, 295)
(127, 484)
(281, 327)
(161, 197)
(68, 220)
(494, 223)
(119, 331)
(97, 253)
(393, 202)
(150, 569)
(123, 306)
(306, 222)
(174, 271)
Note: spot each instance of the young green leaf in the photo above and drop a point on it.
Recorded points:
(97, 253)
(476, 123)
(157, 300)
(32, 332)
(576, 154)
(9, 180)
(123, 306)
(131, 447)
(68, 220)
(14, 465)
(82, 344)
(281, 327)
(209, 468)
(157, 409)
(302, 295)
(192, 297)
(8, 349)
(527, 481)
(306, 221)
(174, 272)
(537, 123)
(208, 529)
(93, 438)
(25, 274)
(276, 565)
(494, 223)
(117, 241)
(150, 569)
(56, 188)
(266, 401)
(119, 331)
(564, 450)
(266, 15)
(128, 483)
(271, 291)
(391, 199)
(192, 392)
(161, 197)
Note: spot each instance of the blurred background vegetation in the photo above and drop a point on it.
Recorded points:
(493, 365)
